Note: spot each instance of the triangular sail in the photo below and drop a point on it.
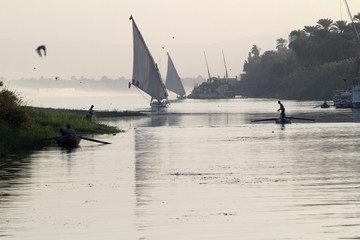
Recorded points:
(146, 75)
(173, 81)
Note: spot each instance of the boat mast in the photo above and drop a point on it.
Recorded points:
(355, 101)
(207, 65)
(352, 21)
(226, 72)
(355, 30)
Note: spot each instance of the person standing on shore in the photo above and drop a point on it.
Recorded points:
(90, 114)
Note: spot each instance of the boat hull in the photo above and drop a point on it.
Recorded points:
(68, 141)
(283, 121)
(343, 105)
(180, 97)
(159, 105)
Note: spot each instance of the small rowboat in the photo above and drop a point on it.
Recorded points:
(71, 140)
(283, 120)
(286, 120)
(324, 105)
(68, 141)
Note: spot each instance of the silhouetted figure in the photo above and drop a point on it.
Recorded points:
(282, 109)
(62, 132)
(90, 114)
(39, 48)
(70, 131)
(325, 105)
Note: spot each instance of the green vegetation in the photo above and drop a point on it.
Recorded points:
(317, 61)
(22, 128)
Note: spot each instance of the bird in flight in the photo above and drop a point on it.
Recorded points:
(39, 48)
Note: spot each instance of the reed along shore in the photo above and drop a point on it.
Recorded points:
(22, 129)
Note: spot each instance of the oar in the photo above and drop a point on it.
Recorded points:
(306, 119)
(49, 139)
(93, 140)
(261, 120)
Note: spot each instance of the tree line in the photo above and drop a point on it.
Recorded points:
(311, 65)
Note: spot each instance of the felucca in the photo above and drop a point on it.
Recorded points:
(146, 75)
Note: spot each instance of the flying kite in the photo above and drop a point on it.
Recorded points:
(39, 48)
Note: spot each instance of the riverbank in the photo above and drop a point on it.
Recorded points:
(46, 122)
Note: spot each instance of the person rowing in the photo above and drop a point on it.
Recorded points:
(282, 109)
(69, 131)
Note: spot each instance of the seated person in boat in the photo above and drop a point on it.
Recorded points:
(62, 131)
(70, 131)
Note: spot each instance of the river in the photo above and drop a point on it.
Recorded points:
(198, 170)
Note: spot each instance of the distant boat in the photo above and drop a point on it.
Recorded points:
(173, 81)
(214, 87)
(146, 75)
(343, 99)
(325, 105)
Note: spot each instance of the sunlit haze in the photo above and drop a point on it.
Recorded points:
(93, 38)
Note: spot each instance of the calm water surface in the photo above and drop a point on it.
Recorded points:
(198, 170)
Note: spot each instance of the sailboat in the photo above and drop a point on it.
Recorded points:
(173, 81)
(146, 75)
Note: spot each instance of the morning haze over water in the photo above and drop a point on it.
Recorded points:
(200, 169)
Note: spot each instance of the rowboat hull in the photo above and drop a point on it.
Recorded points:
(68, 141)
(283, 121)
(286, 120)
(325, 106)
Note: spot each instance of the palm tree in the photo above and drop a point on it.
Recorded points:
(357, 17)
(295, 35)
(341, 26)
(325, 24)
(281, 44)
(311, 30)
(255, 50)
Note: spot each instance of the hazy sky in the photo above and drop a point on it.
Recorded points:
(93, 38)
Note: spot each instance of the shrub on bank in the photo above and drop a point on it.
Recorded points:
(22, 128)
(11, 110)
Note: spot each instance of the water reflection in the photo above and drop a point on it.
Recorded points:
(148, 162)
(193, 175)
(68, 152)
(182, 120)
(158, 119)
(356, 114)
(14, 175)
(14, 170)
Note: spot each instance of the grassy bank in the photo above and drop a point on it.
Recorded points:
(22, 128)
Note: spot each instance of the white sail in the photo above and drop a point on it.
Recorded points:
(146, 75)
(173, 81)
